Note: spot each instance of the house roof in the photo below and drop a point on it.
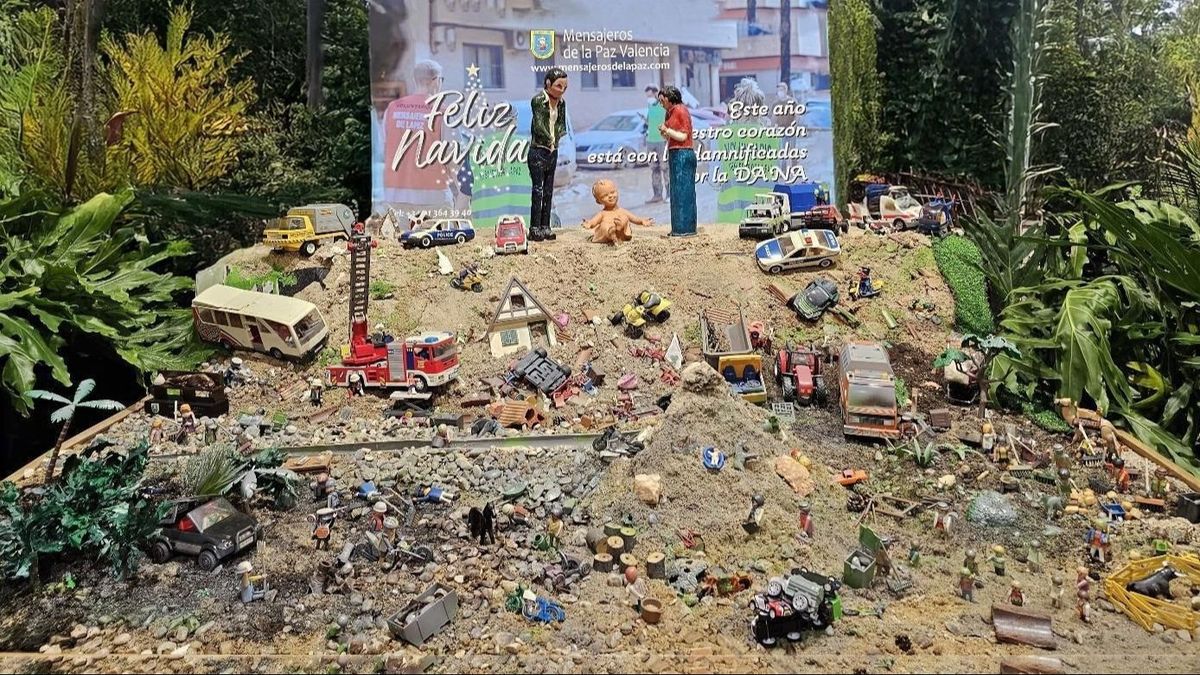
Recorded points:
(506, 300)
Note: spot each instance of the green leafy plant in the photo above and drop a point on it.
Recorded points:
(66, 414)
(221, 471)
(983, 353)
(83, 274)
(901, 392)
(380, 289)
(960, 263)
(277, 277)
(211, 472)
(921, 454)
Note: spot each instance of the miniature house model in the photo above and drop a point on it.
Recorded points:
(520, 322)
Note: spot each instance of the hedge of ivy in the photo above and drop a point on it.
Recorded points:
(958, 259)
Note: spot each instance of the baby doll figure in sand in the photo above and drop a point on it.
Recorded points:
(611, 225)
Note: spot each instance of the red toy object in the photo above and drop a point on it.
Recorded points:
(800, 375)
(510, 235)
(850, 477)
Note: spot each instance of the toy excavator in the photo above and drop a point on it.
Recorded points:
(645, 305)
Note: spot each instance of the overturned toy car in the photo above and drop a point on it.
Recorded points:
(818, 296)
(645, 306)
(612, 444)
(802, 602)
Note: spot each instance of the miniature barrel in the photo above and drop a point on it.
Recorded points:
(602, 562)
(616, 546)
(651, 610)
(630, 536)
(612, 529)
(628, 560)
(656, 565)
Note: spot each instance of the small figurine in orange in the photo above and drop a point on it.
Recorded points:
(806, 521)
(1015, 596)
(611, 225)
(1122, 475)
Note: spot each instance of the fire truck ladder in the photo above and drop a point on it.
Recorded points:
(360, 276)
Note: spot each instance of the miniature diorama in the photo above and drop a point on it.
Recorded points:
(300, 378)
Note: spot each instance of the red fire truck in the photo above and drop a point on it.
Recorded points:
(417, 363)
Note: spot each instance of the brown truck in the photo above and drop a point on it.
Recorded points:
(867, 391)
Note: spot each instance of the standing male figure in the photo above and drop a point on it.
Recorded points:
(548, 127)
(656, 144)
(409, 188)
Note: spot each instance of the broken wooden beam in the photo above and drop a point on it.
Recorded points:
(1017, 625)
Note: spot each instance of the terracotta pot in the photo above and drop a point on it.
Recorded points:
(651, 610)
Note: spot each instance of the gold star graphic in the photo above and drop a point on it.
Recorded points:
(473, 70)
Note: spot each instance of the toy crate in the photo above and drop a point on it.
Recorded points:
(869, 544)
(425, 615)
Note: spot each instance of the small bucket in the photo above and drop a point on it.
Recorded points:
(651, 610)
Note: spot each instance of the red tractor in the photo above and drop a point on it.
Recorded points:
(801, 375)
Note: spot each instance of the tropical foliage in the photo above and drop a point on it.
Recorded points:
(960, 263)
(95, 510)
(856, 90)
(84, 273)
(66, 414)
(220, 470)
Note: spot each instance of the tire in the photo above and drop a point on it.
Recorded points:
(477, 287)
(308, 248)
(541, 351)
(423, 552)
(227, 344)
(776, 269)
(789, 391)
(206, 561)
(898, 224)
(460, 239)
(634, 332)
(617, 318)
(419, 384)
(455, 283)
(825, 263)
(426, 242)
(276, 354)
(662, 316)
(160, 552)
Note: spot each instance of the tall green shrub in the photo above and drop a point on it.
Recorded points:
(960, 262)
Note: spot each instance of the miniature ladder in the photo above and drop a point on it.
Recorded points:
(360, 276)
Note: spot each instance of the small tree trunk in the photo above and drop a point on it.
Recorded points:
(315, 60)
(62, 436)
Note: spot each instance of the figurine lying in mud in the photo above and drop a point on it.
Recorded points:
(611, 225)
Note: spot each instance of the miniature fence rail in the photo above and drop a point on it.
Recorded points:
(77, 441)
(553, 441)
(1145, 610)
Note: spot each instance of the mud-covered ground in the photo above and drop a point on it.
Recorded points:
(176, 618)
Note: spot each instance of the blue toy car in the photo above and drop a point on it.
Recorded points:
(430, 233)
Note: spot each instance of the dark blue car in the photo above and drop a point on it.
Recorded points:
(438, 232)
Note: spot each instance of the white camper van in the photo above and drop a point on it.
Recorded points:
(276, 324)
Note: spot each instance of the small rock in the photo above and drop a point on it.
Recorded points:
(181, 634)
(648, 488)
(1168, 638)
(79, 631)
(159, 632)
(122, 639)
(1183, 635)
(165, 648)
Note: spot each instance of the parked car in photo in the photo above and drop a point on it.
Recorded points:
(211, 532)
(796, 250)
(564, 173)
(621, 132)
(438, 232)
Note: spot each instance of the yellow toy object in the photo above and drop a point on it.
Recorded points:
(1144, 610)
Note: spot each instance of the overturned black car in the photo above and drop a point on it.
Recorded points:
(802, 602)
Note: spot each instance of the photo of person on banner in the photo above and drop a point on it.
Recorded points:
(656, 144)
(681, 160)
(407, 187)
(548, 128)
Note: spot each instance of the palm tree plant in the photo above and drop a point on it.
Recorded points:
(66, 413)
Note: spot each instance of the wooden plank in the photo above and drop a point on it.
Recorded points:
(1130, 441)
(78, 440)
(1037, 665)
(1018, 625)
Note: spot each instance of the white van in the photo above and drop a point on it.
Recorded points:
(279, 325)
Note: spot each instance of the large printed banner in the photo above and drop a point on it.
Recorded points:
(452, 83)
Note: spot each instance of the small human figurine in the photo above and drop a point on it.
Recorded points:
(316, 388)
(754, 518)
(1001, 454)
(943, 518)
(866, 287)
(966, 584)
(1162, 545)
(322, 486)
(1034, 556)
(323, 522)
(883, 559)
(970, 561)
(914, 555)
(997, 559)
(516, 514)
(1083, 594)
(806, 520)
(554, 527)
(391, 531)
(611, 224)
(482, 524)
(635, 587)
(355, 383)
(1160, 487)
(234, 375)
(1056, 591)
(210, 431)
(249, 587)
(1122, 476)
(243, 441)
(988, 437)
(156, 431)
(1064, 484)
(441, 437)
(432, 494)
(378, 513)
(1061, 459)
(187, 424)
(1015, 596)
(1098, 540)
